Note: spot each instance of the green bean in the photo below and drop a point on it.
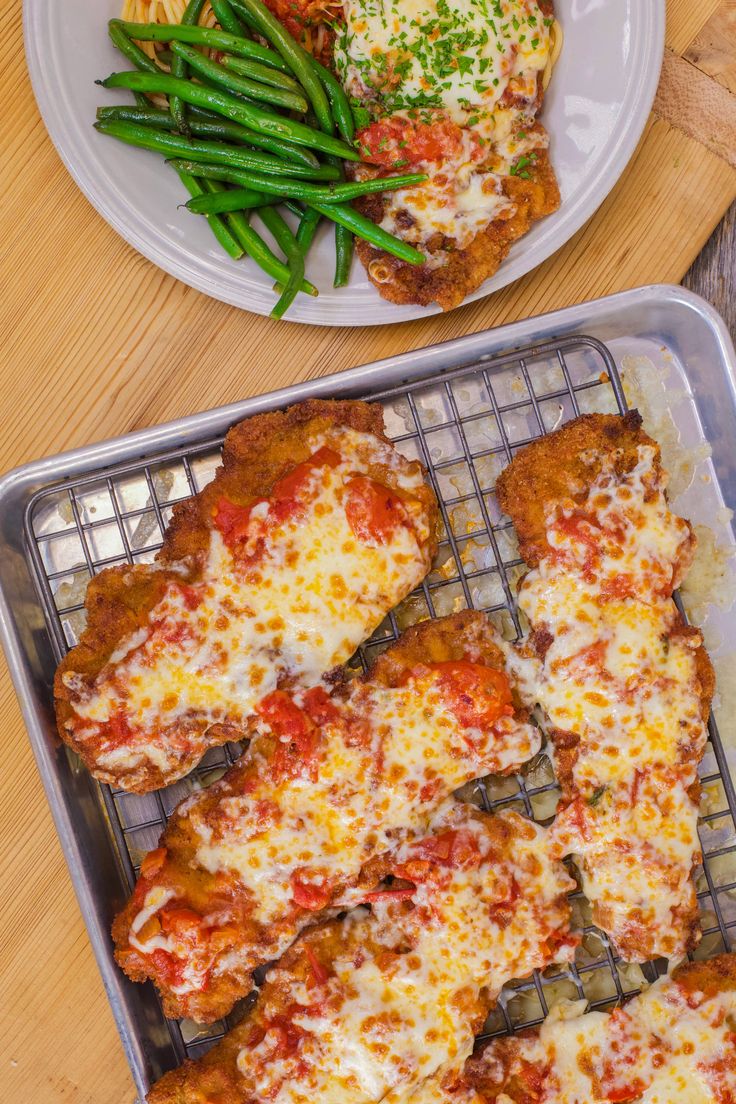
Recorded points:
(344, 244)
(256, 248)
(219, 153)
(295, 208)
(294, 189)
(210, 37)
(295, 56)
(307, 228)
(122, 41)
(206, 125)
(339, 102)
(249, 200)
(246, 67)
(367, 230)
(227, 18)
(135, 56)
(273, 221)
(231, 82)
(239, 112)
(179, 68)
(217, 225)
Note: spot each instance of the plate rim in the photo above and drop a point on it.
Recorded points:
(178, 262)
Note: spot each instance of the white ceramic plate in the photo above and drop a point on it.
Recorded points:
(601, 93)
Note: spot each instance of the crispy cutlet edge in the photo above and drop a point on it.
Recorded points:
(549, 470)
(467, 635)
(255, 454)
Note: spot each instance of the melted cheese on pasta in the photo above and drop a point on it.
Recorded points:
(663, 1046)
(403, 998)
(617, 673)
(212, 650)
(320, 830)
(460, 55)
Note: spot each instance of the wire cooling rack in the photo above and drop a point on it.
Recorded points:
(465, 426)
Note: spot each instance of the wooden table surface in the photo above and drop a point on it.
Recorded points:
(95, 341)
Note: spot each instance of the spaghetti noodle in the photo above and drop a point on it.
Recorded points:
(556, 39)
(161, 11)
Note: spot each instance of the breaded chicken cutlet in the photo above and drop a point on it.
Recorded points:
(624, 684)
(312, 529)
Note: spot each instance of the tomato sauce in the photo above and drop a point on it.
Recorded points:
(477, 695)
(400, 141)
(374, 512)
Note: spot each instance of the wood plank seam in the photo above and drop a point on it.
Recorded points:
(697, 105)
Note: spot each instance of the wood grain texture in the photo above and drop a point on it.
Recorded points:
(95, 341)
(713, 275)
(686, 19)
(714, 49)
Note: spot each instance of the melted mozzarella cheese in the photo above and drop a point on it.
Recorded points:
(323, 829)
(615, 675)
(314, 594)
(459, 199)
(459, 55)
(402, 1000)
(659, 1048)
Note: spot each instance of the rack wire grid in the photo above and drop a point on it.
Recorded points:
(464, 425)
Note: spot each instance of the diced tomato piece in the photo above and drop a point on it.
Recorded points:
(297, 737)
(180, 921)
(283, 715)
(477, 695)
(454, 848)
(374, 512)
(288, 495)
(286, 1035)
(233, 521)
(307, 894)
(169, 968)
(153, 862)
(318, 705)
(402, 140)
(319, 972)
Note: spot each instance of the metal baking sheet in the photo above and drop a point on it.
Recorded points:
(461, 407)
